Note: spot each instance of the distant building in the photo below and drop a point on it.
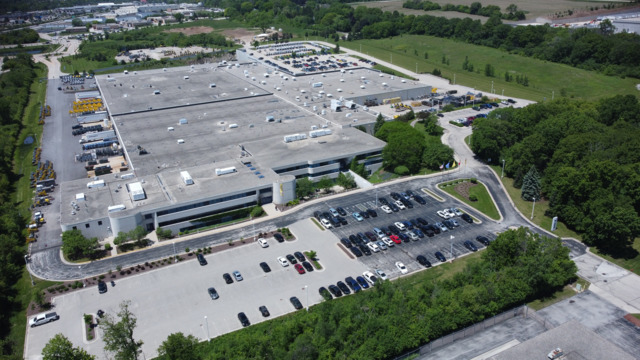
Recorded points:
(627, 25)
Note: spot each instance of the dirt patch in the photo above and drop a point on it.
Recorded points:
(244, 36)
(192, 30)
(463, 188)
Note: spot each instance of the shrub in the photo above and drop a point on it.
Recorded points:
(474, 180)
(473, 198)
(455, 123)
(107, 247)
(119, 267)
(88, 318)
(401, 170)
(101, 277)
(186, 250)
(257, 211)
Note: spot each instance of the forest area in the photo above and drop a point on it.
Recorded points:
(588, 158)
(517, 267)
(14, 96)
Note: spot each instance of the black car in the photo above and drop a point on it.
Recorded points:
(407, 203)
(394, 230)
(356, 251)
(371, 237)
(265, 267)
(394, 207)
(440, 256)
(102, 287)
(434, 228)
(448, 223)
(403, 237)
(383, 201)
(363, 238)
(469, 245)
(364, 214)
(317, 215)
(299, 256)
(264, 311)
(410, 193)
(243, 319)
(372, 213)
(395, 196)
(227, 278)
(325, 215)
(335, 290)
(466, 217)
(386, 231)
(296, 303)
(346, 242)
(291, 259)
(419, 199)
(341, 211)
(307, 266)
(354, 240)
(201, 260)
(213, 293)
(422, 221)
(440, 115)
(423, 261)
(344, 288)
(325, 293)
(335, 221)
(483, 240)
(343, 221)
(278, 237)
(365, 249)
(427, 231)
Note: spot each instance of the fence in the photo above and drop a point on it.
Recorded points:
(473, 329)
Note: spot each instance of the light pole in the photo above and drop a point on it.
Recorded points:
(306, 287)
(534, 207)
(502, 92)
(376, 197)
(452, 256)
(416, 68)
(175, 254)
(391, 58)
(207, 324)
(454, 79)
(492, 86)
(26, 262)
(501, 176)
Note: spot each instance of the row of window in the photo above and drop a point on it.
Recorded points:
(202, 215)
(315, 175)
(205, 203)
(306, 166)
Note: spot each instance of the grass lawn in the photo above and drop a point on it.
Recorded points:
(24, 153)
(637, 316)
(544, 77)
(631, 264)
(484, 204)
(444, 271)
(560, 295)
(381, 175)
(24, 296)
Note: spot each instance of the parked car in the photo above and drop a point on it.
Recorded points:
(456, 211)
(370, 236)
(362, 282)
(346, 242)
(296, 303)
(237, 275)
(334, 212)
(342, 220)
(371, 279)
(449, 223)
(395, 239)
(357, 216)
(387, 241)
(265, 267)
(395, 196)
(213, 293)
(422, 221)
(383, 201)
(442, 227)
(471, 246)
(299, 256)
(440, 256)
(307, 266)
(201, 260)
(279, 238)
(443, 214)
(394, 207)
(418, 233)
(299, 269)
(326, 223)
(353, 284)
(356, 251)
(344, 288)
(400, 226)
(263, 242)
(372, 213)
(467, 218)
(325, 293)
(341, 211)
(483, 240)
(283, 261)
(382, 275)
(365, 249)
(291, 258)
(381, 245)
(419, 199)
(412, 235)
(401, 267)
(227, 278)
(403, 237)
(243, 319)
(264, 311)
(43, 319)
(422, 260)
(400, 205)
(335, 290)
(374, 247)
(386, 209)
(102, 287)
(364, 214)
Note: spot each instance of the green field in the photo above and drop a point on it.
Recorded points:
(544, 77)
(484, 204)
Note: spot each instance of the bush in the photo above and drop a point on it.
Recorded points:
(107, 247)
(473, 198)
(455, 123)
(474, 180)
(257, 211)
(401, 170)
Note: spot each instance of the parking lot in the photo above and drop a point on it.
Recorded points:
(175, 298)
(407, 252)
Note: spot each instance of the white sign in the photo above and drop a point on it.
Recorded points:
(554, 223)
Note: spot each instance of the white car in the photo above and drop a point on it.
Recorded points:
(43, 319)
(326, 223)
(401, 267)
(334, 212)
(283, 261)
(371, 279)
(386, 209)
(413, 236)
(381, 274)
(444, 214)
(455, 223)
(388, 241)
(449, 212)
(400, 226)
(442, 226)
(400, 205)
(381, 245)
(456, 211)
(373, 246)
(263, 243)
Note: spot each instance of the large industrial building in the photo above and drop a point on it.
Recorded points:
(202, 140)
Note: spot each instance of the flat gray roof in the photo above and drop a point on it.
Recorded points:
(576, 341)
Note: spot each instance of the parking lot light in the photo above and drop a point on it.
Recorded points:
(452, 256)
(501, 176)
(206, 322)
(306, 287)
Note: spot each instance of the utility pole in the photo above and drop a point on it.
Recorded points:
(501, 176)
(534, 207)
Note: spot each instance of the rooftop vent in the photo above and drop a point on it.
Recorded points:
(182, 121)
(223, 171)
(186, 178)
(116, 208)
(136, 191)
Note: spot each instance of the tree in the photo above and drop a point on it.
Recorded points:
(164, 233)
(304, 188)
(346, 180)
(76, 246)
(312, 254)
(179, 347)
(379, 122)
(358, 168)
(489, 70)
(325, 183)
(336, 50)
(403, 147)
(60, 348)
(179, 17)
(118, 334)
(121, 238)
(531, 185)
(76, 22)
(138, 233)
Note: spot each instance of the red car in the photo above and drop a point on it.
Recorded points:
(395, 239)
(299, 268)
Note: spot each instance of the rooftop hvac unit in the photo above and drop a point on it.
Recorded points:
(116, 208)
(233, 126)
(270, 119)
(294, 137)
(316, 85)
(80, 197)
(319, 133)
(381, 75)
(182, 121)
(156, 92)
(186, 77)
(224, 171)
(186, 178)
(136, 191)
(170, 128)
(127, 176)
(180, 141)
(95, 184)
(341, 80)
(212, 85)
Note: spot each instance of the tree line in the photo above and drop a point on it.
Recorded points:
(475, 8)
(588, 158)
(17, 37)
(14, 96)
(591, 49)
